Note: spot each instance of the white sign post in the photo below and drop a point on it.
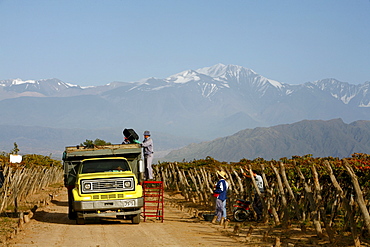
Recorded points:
(15, 158)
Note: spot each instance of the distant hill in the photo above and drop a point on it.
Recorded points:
(319, 138)
(52, 141)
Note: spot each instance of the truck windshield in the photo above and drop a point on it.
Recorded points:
(108, 165)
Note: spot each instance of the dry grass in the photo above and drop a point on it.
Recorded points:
(9, 220)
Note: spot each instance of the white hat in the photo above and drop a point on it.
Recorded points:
(221, 174)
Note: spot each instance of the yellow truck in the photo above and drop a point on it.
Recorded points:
(104, 181)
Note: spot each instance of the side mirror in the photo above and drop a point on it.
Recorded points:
(141, 166)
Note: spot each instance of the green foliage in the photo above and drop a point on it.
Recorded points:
(31, 160)
(97, 142)
(15, 150)
(360, 163)
(207, 162)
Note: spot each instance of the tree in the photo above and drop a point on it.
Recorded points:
(15, 150)
(97, 142)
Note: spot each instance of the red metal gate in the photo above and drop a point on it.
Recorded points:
(153, 200)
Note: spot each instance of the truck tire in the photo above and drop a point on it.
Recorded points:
(80, 220)
(72, 215)
(135, 219)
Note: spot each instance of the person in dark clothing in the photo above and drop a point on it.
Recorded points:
(125, 140)
(257, 202)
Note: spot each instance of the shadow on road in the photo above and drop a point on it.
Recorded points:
(62, 218)
(53, 217)
(60, 203)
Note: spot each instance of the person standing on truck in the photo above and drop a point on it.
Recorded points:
(125, 140)
(147, 145)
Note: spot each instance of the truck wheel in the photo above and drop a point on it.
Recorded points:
(80, 220)
(135, 219)
(72, 215)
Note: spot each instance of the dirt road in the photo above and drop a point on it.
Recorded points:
(50, 226)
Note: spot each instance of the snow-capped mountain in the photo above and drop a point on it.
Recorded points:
(48, 87)
(207, 102)
(358, 95)
(210, 80)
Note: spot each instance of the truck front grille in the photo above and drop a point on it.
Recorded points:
(107, 197)
(107, 185)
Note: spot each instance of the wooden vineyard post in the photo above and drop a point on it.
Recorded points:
(16, 186)
(183, 185)
(20, 183)
(359, 196)
(175, 176)
(269, 198)
(239, 180)
(202, 198)
(313, 203)
(318, 203)
(196, 195)
(285, 215)
(286, 183)
(230, 180)
(248, 190)
(346, 204)
(4, 189)
(207, 189)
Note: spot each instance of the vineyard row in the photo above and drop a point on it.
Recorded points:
(19, 183)
(326, 196)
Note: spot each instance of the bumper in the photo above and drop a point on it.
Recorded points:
(124, 205)
(106, 214)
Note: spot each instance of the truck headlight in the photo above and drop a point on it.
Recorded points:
(87, 186)
(127, 184)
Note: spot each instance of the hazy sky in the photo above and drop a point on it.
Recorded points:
(95, 42)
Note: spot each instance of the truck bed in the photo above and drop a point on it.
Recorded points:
(74, 152)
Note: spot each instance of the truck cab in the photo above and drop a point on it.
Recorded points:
(104, 181)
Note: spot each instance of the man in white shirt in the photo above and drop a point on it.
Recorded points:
(257, 203)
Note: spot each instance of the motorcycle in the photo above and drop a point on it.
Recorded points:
(242, 210)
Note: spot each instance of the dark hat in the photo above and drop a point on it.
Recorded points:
(147, 133)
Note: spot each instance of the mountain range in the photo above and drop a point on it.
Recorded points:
(316, 137)
(190, 106)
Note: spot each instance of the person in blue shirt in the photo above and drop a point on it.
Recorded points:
(221, 195)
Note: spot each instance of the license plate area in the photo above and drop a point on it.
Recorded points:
(129, 203)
